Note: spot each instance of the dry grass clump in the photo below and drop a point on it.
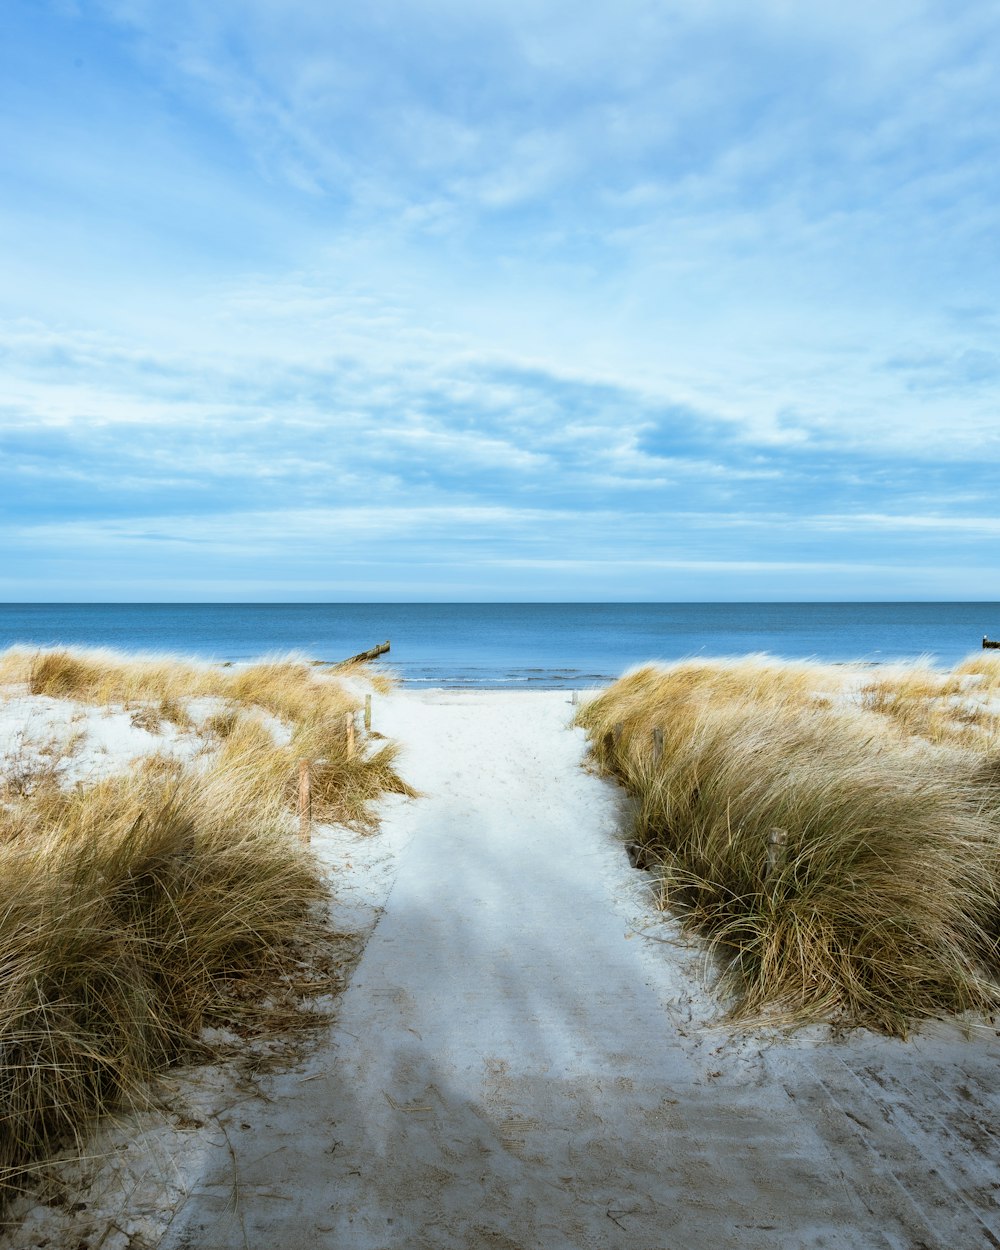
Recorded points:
(939, 706)
(984, 668)
(137, 911)
(877, 902)
(103, 677)
(343, 786)
(309, 703)
(289, 689)
(754, 678)
(316, 708)
(131, 914)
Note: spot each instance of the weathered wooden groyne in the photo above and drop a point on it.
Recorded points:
(362, 657)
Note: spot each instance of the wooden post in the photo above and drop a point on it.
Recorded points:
(573, 698)
(776, 843)
(368, 711)
(372, 654)
(349, 728)
(305, 801)
(657, 744)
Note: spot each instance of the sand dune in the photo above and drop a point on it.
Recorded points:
(529, 1055)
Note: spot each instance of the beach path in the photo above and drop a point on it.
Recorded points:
(523, 1060)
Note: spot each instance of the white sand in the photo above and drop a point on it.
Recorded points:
(82, 742)
(527, 1056)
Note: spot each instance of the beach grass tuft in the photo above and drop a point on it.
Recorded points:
(137, 911)
(842, 862)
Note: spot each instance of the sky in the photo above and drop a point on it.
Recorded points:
(303, 300)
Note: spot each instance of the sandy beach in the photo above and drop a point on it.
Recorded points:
(528, 1054)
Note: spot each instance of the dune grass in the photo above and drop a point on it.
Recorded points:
(876, 903)
(310, 703)
(984, 667)
(138, 903)
(942, 707)
(139, 910)
(103, 677)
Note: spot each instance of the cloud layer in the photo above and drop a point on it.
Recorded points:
(501, 301)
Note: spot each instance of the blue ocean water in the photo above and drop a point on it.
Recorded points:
(540, 645)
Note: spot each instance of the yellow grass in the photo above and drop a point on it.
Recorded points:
(984, 666)
(105, 677)
(940, 706)
(137, 911)
(877, 903)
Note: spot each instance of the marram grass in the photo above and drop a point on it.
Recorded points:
(876, 904)
(137, 911)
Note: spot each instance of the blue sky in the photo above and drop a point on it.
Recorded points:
(525, 300)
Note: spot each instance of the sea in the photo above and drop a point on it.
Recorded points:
(513, 645)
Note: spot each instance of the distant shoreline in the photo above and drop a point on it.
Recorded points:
(501, 646)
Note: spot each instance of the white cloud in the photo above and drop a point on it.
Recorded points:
(669, 272)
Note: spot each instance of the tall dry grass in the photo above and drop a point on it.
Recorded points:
(310, 703)
(877, 903)
(984, 667)
(943, 707)
(137, 911)
(103, 677)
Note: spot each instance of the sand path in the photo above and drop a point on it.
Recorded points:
(515, 1065)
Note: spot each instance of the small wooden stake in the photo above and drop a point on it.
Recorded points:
(657, 744)
(305, 801)
(776, 843)
(349, 727)
(368, 711)
(573, 698)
